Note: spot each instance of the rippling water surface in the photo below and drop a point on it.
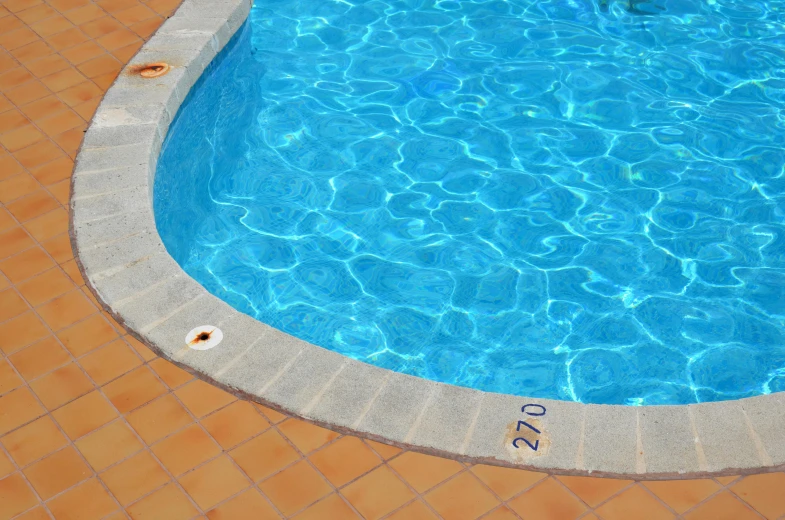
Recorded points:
(570, 199)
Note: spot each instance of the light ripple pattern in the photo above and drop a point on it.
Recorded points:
(572, 199)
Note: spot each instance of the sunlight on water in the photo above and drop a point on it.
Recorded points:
(572, 199)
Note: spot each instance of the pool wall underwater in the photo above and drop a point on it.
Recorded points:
(127, 266)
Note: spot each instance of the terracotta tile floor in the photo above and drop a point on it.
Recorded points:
(94, 425)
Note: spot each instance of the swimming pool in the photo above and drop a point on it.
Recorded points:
(534, 198)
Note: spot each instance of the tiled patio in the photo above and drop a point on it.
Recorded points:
(94, 425)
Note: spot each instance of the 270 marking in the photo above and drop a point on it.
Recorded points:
(541, 412)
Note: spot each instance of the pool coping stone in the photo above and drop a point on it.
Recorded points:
(127, 267)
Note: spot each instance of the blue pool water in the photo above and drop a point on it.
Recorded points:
(555, 199)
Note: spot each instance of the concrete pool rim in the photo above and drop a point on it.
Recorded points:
(127, 267)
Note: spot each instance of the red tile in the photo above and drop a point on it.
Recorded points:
(108, 445)
(66, 310)
(160, 418)
(17, 408)
(87, 335)
(234, 424)
(306, 436)
(84, 415)
(203, 398)
(110, 362)
(295, 488)
(26, 265)
(264, 455)
(345, 460)
(167, 503)
(45, 287)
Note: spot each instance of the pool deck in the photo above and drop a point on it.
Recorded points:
(93, 424)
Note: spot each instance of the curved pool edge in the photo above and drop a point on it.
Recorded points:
(127, 267)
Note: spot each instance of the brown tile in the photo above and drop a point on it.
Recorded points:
(11, 304)
(14, 241)
(134, 477)
(423, 472)
(502, 513)
(66, 310)
(134, 15)
(36, 14)
(6, 220)
(38, 154)
(63, 79)
(124, 54)
(306, 436)
(15, 77)
(83, 52)
(26, 264)
(203, 398)
(727, 480)
(163, 7)
(134, 389)
(17, 38)
(21, 331)
(214, 482)
(548, 500)
(84, 415)
(87, 109)
(117, 39)
(27, 93)
(46, 286)
(40, 358)
(506, 482)
(41, 108)
(17, 186)
(16, 496)
(59, 123)
(417, 510)
(377, 493)
(168, 503)
(101, 27)
(345, 460)
(722, 506)
(8, 379)
(158, 419)
(70, 140)
(113, 6)
(53, 172)
(234, 424)
(765, 493)
(38, 513)
(59, 248)
(682, 495)
(635, 501)
(17, 408)
(80, 93)
(61, 386)
(7, 105)
(249, 505)
(264, 455)
(11, 120)
(47, 65)
(87, 335)
(6, 466)
(108, 445)
(72, 270)
(61, 190)
(594, 490)
(10, 23)
(295, 488)
(15, 6)
(146, 28)
(51, 26)
(90, 499)
(186, 449)
(9, 167)
(84, 14)
(461, 498)
(110, 362)
(67, 5)
(273, 416)
(169, 373)
(32, 51)
(67, 39)
(21, 138)
(57, 472)
(334, 507)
